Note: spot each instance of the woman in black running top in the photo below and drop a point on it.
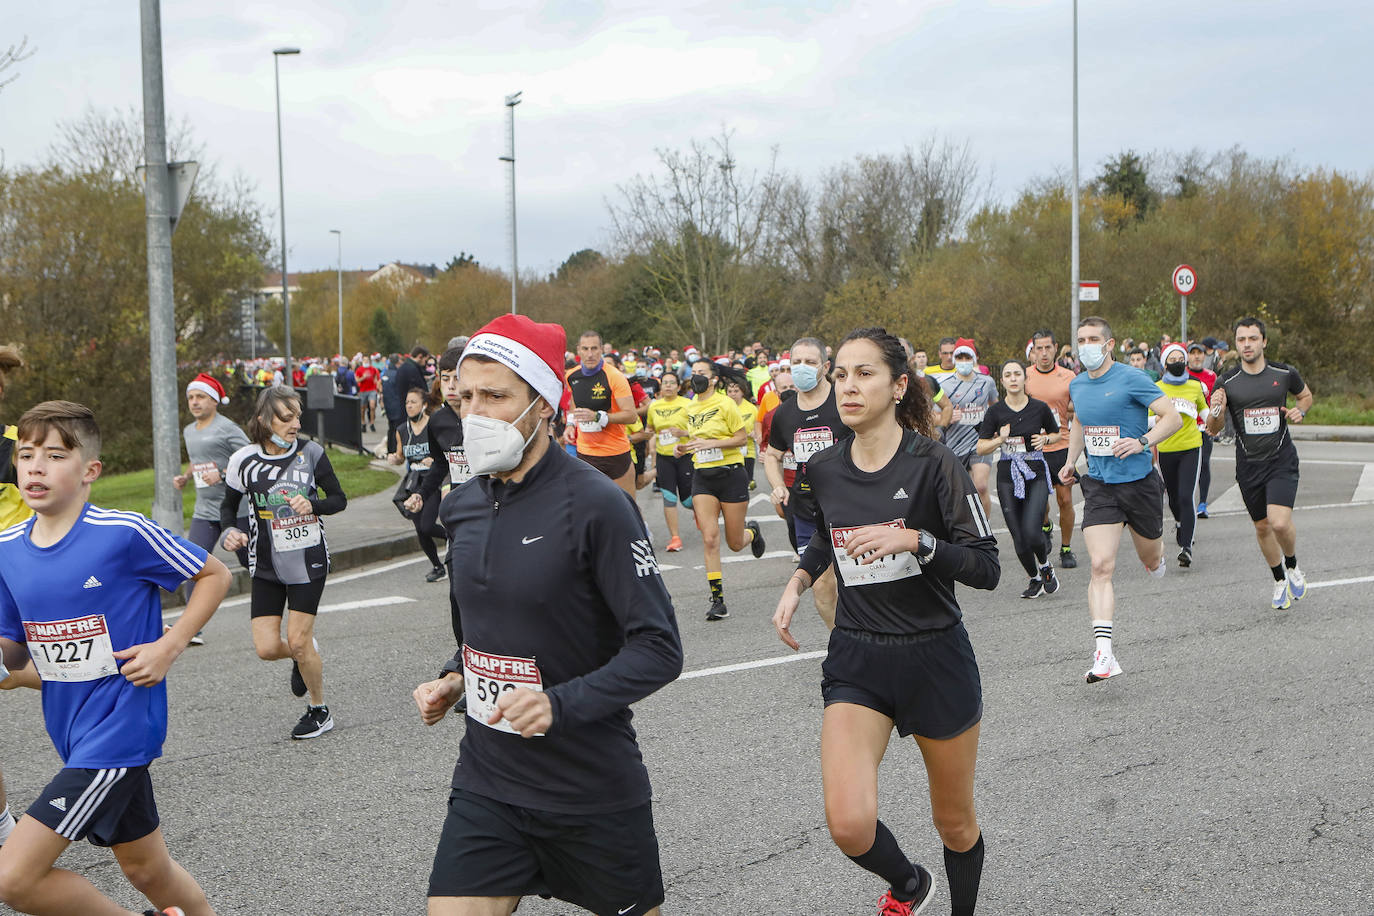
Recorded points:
(413, 451)
(1018, 428)
(902, 522)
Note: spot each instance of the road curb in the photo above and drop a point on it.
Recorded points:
(1332, 433)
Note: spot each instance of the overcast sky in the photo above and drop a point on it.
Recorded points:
(393, 121)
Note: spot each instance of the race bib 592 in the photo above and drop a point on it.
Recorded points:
(487, 676)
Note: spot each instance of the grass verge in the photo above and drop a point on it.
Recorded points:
(134, 491)
(1342, 410)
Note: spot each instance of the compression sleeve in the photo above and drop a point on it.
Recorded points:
(334, 499)
(969, 555)
(817, 555)
(229, 509)
(627, 574)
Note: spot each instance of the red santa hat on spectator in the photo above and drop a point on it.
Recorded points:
(208, 384)
(531, 350)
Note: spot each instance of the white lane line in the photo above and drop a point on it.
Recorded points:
(803, 656)
(1334, 582)
(763, 518)
(745, 666)
(365, 603)
(761, 498)
(1229, 501)
(1365, 488)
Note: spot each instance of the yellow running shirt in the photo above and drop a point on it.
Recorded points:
(715, 417)
(1188, 397)
(664, 415)
(749, 413)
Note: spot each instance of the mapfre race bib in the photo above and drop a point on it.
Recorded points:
(1098, 440)
(884, 569)
(295, 532)
(458, 471)
(1260, 421)
(486, 677)
(1186, 407)
(72, 650)
(707, 455)
(1014, 445)
(198, 472)
(789, 461)
(971, 416)
(808, 442)
(589, 426)
(667, 439)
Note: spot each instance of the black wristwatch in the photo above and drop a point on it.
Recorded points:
(1143, 440)
(925, 550)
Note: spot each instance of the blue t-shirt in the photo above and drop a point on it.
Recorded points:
(93, 593)
(1114, 405)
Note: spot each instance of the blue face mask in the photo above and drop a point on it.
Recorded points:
(1092, 356)
(806, 377)
(279, 442)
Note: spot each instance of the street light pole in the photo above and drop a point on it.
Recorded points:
(281, 184)
(511, 102)
(339, 233)
(1073, 268)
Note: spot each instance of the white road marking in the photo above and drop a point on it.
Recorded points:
(342, 606)
(761, 498)
(804, 656)
(1365, 488)
(1228, 502)
(745, 666)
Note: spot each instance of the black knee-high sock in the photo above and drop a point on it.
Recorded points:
(964, 870)
(886, 860)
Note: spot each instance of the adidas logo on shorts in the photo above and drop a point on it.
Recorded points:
(59, 803)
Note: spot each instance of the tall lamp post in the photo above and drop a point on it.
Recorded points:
(511, 102)
(339, 234)
(281, 184)
(1073, 266)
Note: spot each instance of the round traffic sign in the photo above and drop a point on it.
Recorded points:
(1185, 280)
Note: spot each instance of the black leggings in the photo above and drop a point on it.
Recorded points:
(425, 528)
(1204, 474)
(1025, 517)
(1180, 473)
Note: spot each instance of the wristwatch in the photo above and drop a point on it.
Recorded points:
(925, 550)
(1143, 440)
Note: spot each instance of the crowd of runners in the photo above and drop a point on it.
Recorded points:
(524, 450)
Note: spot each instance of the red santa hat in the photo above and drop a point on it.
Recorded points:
(531, 350)
(208, 384)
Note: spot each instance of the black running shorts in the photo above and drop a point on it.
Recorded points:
(1056, 460)
(728, 484)
(1138, 503)
(926, 683)
(1268, 483)
(606, 863)
(613, 466)
(674, 477)
(270, 598)
(107, 807)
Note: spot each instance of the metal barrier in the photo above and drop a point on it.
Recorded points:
(332, 418)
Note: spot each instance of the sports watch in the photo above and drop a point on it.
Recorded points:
(925, 550)
(1143, 440)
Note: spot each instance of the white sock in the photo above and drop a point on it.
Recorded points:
(6, 824)
(1102, 630)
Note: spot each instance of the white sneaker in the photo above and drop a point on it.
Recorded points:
(1104, 666)
(1283, 598)
(1158, 571)
(1297, 583)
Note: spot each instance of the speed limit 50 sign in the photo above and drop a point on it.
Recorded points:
(1185, 280)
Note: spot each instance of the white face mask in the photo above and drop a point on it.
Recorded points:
(1091, 356)
(494, 446)
(963, 368)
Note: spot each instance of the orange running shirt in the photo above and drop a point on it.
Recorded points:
(1053, 388)
(600, 391)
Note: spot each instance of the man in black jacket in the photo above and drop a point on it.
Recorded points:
(565, 623)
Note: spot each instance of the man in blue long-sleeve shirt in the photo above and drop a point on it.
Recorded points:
(566, 622)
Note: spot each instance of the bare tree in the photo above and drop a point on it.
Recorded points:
(12, 55)
(704, 232)
(110, 143)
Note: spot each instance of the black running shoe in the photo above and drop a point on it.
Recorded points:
(1066, 559)
(297, 682)
(1048, 580)
(756, 545)
(1049, 542)
(435, 574)
(718, 610)
(1185, 557)
(1034, 590)
(314, 723)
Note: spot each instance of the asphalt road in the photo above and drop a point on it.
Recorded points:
(1226, 772)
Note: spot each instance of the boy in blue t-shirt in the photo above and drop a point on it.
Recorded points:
(79, 597)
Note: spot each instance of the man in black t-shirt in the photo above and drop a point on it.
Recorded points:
(1255, 395)
(804, 426)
